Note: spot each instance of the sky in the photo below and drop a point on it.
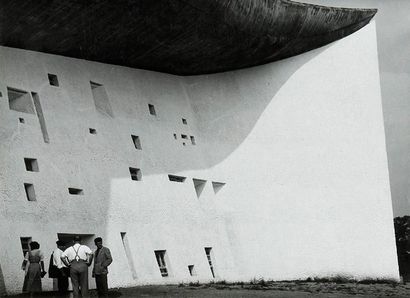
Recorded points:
(393, 35)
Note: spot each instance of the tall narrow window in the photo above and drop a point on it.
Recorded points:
(191, 270)
(30, 194)
(101, 101)
(128, 254)
(193, 140)
(20, 101)
(151, 109)
(208, 252)
(25, 244)
(160, 256)
(53, 80)
(135, 174)
(40, 116)
(184, 121)
(31, 164)
(137, 142)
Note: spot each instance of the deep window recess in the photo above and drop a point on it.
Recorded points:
(151, 109)
(193, 140)
(31, 164)
(101, 101)
(93, 131)
(75, 191)
(175, 136)
(53, 80)
(40, 116)
(217, 186)
(1, 94)
(135, 174)
(191, 269)
(184, 121)
(199, 186)
(175, 178)
(25, 244)
(184, 136)
(137, 142)
(160, 256)
(128, 254)
(20, 101)
(30, 194)
(208, 252)
(21, 120)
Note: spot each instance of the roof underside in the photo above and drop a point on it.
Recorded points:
(183, 37)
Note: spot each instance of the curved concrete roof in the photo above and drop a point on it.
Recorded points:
(183, 37)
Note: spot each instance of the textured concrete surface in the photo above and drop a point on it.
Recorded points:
(299, 145)
(175, 36)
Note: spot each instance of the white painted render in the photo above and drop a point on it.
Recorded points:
(298, 143)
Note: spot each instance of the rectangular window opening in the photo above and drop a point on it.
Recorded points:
(175, 178)
(175, 136)
(31, 164)
(160, 256)
(21, 120)
(184, 121)
(217, 186)
(52, 78)
(199, 185)
(184, 137)
(40, 116)
(75, 191)
(135, 174)
(20, 101)
(93, 131)
(128, 254)
(137, 142)
(25, 244)
(208, 252)
(101, 100)
(151, 109)
(193, 140)
(191, 269)
(30, 194)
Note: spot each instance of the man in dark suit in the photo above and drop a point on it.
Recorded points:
(102, 259)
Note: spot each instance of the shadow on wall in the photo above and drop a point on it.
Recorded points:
(228, 105)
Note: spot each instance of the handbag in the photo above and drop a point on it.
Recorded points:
(53, 271)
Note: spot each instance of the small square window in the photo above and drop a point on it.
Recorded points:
(53, 80)
(93, 131)
(75, 191)
(184, 121)
(175, 178)
(193, 140)
(136, 174)
(31, 164)
(21, 120)
(152, 110)
(191, 269)
(137, 142)
(30, 194)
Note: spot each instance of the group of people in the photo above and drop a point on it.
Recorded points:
(65, 262)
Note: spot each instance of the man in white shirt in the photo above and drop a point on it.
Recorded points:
(78, 257)
(62, 276)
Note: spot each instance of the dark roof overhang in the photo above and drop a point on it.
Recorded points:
(183, 37)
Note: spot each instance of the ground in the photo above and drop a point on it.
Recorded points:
(263, 289)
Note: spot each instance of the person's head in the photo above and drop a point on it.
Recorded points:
(60, 244)
(98, 242)
(77, 239)
(34, 245)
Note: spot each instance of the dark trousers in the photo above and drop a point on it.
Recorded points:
(62, 280)
(79, 278)
(102, 285)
